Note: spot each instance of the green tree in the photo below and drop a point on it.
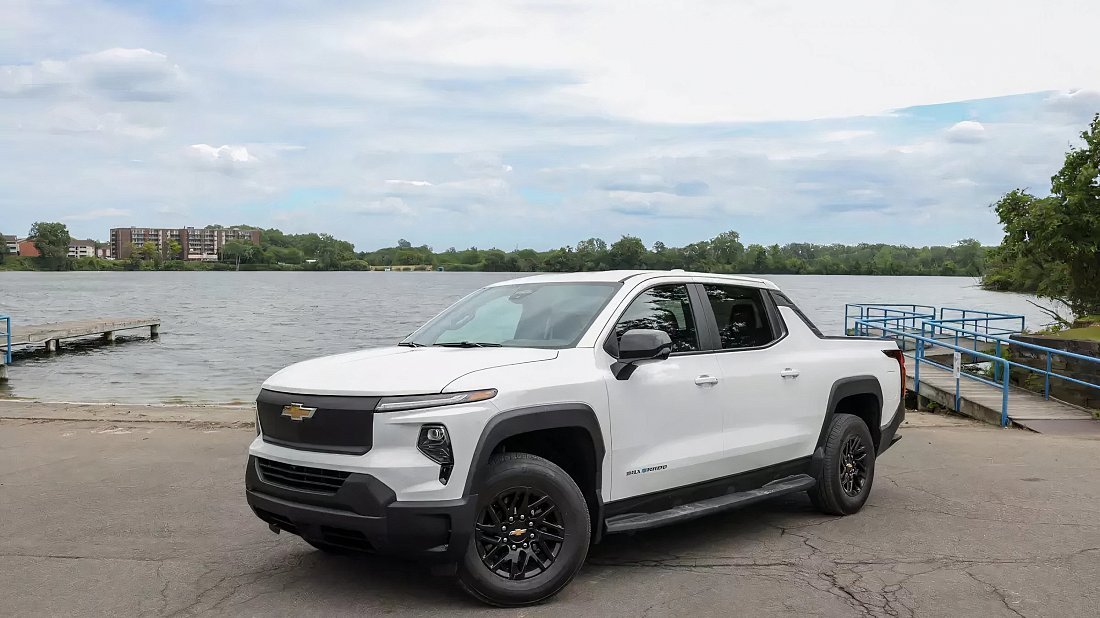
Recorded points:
(627, 252)
(1053, 243)
(4, 252)
(52, 241)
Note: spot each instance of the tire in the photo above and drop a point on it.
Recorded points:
(562, 534)
(847, 469)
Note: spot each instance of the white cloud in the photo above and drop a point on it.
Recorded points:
(101, 213)
(966, 132)
(116, 74)
(409, 183)
(846, 135)
(224, 152)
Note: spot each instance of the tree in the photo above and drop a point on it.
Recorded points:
(1053, 243)
(173, 250)
(627, 252)
(52, 241)
(4, 252)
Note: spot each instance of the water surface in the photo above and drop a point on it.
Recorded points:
(223, 333)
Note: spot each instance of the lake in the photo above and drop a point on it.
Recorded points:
(223, 333)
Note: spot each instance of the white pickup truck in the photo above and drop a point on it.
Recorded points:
(536, 415)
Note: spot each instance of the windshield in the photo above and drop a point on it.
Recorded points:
(533, 315)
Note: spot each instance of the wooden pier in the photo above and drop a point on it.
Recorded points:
(51, 335)
(983, 402)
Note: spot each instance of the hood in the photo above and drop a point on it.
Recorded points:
(396, 370)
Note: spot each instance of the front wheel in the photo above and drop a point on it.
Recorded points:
(531, 534)
(847, 469)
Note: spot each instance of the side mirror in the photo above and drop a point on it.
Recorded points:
(639, 345)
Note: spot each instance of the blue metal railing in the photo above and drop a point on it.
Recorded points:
(7, 338)
(922, 342)
(962, 331)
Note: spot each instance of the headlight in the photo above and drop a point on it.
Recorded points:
(413, 402)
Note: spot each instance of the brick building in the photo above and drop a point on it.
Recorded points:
(27, 248)
(195, 243)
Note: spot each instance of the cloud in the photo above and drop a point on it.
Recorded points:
(101, 213)
(116, 74)
(535, 123)
(966, 132)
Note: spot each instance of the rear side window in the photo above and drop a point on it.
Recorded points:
(667, 308)
(741, 316)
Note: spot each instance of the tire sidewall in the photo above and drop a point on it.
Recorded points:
(544, 476)
(848, 426)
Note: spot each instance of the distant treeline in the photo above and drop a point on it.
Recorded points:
(723, 253)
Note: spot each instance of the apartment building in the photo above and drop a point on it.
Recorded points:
(13, 244)
(199, 244)
(81, 248)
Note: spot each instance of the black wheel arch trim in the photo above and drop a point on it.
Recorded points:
(537, 418)
(847, 387)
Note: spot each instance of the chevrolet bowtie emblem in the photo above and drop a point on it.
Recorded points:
(297, 412)
(518, 532)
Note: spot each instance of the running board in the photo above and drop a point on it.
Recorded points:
(628, 522)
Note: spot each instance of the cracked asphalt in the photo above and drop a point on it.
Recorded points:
(108, 518)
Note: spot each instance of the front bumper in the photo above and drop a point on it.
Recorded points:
(364, 515)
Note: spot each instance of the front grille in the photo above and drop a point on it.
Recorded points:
(301, 477)
(342, 425)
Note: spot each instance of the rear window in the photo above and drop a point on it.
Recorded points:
(741, 316)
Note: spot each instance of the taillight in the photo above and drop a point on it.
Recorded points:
(899, 356)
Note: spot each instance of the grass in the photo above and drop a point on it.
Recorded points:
(1088, 333)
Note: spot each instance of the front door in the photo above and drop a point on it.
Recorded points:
(666, 418)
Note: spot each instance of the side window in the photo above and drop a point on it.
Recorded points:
(667, 308)
(741, 316)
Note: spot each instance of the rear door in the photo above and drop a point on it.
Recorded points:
(766, 411)
(666, 419)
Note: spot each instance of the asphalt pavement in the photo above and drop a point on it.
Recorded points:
(148, 518)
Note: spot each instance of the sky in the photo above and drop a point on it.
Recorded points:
(539, 123)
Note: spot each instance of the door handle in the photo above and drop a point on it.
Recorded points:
(788, 373)
(705, 380)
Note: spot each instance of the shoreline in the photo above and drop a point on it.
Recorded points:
(205, 415)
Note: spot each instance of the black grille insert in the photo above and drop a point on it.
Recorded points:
(301, 477)
(334, 424)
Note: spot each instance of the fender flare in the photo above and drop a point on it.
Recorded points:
(535, 418)
(845, 387)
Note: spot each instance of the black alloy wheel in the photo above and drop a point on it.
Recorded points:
(531, 533)
(520, 533)
(847, 466)
(853, 466)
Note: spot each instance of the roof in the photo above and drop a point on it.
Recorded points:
(76, 242)
(617, 276)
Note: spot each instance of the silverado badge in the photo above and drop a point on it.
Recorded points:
(297, 412)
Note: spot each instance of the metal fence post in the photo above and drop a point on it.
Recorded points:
(1046, 378)
(1004, 394)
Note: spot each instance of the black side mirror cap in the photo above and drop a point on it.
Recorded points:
(640, 345)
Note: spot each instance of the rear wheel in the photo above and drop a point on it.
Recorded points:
(848, 467)
(531, 534)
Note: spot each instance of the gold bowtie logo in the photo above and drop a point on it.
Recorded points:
(297, 412)
(518, 532)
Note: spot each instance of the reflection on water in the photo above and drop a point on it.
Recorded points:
(223, 333)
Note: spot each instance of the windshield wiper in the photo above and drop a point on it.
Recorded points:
(468, 344)
(411, 344)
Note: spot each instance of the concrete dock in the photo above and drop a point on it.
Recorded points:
(51, 335)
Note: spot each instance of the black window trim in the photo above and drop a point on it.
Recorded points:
(611, 343)
(776, 323)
